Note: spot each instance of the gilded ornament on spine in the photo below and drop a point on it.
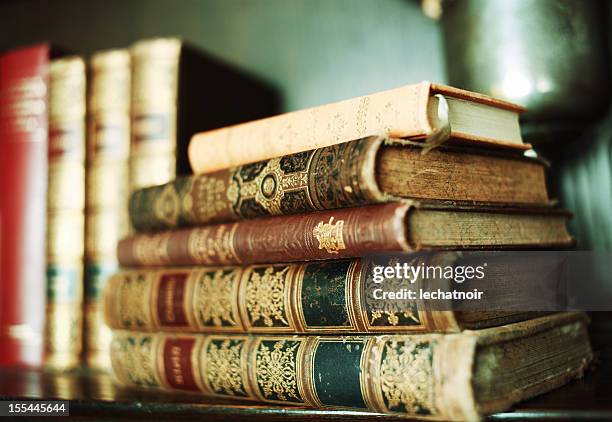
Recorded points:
(332, 177)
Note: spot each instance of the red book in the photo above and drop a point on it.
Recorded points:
(23, 187)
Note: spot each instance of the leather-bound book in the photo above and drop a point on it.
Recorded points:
(461, 376)
(65, 212)
(178, 91)
(23, 184)
(365, 171)
(107, 171)
(327, 297)
(405, 226)
(420, 111)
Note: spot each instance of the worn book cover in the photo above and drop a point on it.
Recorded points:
(429, 376)
(350, 232)
(412, 111)
(361, 172)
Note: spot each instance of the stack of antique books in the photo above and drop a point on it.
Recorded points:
(252, 279)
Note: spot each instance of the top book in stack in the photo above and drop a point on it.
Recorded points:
(417, 112)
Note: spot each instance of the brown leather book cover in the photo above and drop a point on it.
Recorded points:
(423, 376)
(360, 172)
(350, 232)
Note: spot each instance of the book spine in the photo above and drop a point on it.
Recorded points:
(323, 297)
(65, 213)
(106, 219)
(337, 176)
(400, 112)
(335, 234)
(23, 172)
(407, 375)
(155, 69)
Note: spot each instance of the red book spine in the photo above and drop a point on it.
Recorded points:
(23, 186)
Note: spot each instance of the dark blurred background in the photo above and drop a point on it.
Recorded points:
(549, 54)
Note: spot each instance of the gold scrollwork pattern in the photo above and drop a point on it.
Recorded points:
(223, 369)
(136, 355)
(276, 370)
(406, 376)
(133, 307)
(212, 245)
(214, 297)
(265, 296)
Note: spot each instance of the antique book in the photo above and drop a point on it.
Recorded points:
(360, 172)
(107, 193)
(65, 212)
(323, 297)
(350, 232)
(23, 171)
(413, 111)
(176, 92)
(461, 376)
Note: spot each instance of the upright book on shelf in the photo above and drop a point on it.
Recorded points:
(107, 176)
(178, 91)
(65, 212)
(23, 184)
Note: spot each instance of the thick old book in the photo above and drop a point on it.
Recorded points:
(107, 193)
(65, 212)
(432, 376)
(350, 232)
(320, 297)
(413, 111)
(178, 91)
(23, 184)
(360, 172)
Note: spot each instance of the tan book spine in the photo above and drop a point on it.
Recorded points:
(155, 69)
(400, 112)
(108, 146)
(65, 212)
(425, 376)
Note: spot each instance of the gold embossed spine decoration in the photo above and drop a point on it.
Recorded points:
(427, 376)
(65, 212)
(333, 177)
(259, 299)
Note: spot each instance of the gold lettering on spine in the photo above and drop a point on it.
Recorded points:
(152, 250)
(330, 235)
(213, 245)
